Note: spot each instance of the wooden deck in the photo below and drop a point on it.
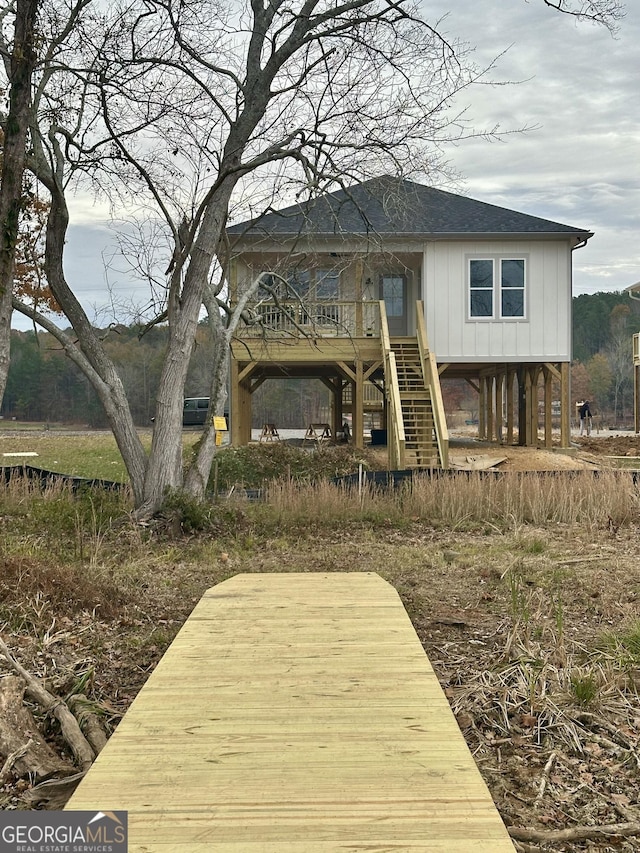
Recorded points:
(295, 713)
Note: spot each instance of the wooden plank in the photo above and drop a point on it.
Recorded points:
(294, 713)
(299, 351)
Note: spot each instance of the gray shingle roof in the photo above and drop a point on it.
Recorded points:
(393, 206)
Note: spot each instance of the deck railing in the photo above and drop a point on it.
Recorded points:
(300, 318)
(372, 396)
(432, 378)
(636, 348)
(395, 423)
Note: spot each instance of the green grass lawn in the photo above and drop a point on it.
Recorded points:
(85, 454)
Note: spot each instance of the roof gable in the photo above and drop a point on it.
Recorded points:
(393, 206)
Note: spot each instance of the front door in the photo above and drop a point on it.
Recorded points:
(393, 292)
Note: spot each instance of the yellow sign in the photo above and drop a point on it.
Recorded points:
(220, 423)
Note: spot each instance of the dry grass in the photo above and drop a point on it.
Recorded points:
(524, 590)
(463, 500)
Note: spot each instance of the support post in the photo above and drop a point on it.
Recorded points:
(482, 409)
(528, 395)
(548, 403)
(359, 271)
(336, 408)
(534, 374)
(490, 407)
(510, 406)
(499, 387)
(565, 404)
(358, 406)
(244, 397)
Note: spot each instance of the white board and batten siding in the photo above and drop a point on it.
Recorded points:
(544, 334)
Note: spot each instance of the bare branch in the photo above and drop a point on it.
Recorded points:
(604, 12)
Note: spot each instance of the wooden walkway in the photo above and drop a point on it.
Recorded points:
(295, 713)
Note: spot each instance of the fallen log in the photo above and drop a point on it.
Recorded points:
(82, 709)
(575, 833)
(69, 726)
(25, 750)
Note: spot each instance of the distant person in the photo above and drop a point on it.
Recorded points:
(585, 418)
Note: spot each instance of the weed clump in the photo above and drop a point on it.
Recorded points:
(254, 465)
(622, 645)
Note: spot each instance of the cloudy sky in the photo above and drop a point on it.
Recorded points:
(579, 165)
(579, 89)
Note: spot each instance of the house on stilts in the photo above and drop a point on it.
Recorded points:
(383, 288)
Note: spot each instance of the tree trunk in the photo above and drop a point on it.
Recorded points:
(20, 738)
(84, 712)
(164, 470)
(23, 61)
(198, 475)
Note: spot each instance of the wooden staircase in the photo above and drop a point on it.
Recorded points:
(421, 446)
(417, 429)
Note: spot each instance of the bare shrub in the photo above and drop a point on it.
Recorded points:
(608, 499)
(329, 503)
(466, 501)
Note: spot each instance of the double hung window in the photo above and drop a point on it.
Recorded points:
(497, 288)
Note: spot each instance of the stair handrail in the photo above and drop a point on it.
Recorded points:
(395, 422)
(432, 381)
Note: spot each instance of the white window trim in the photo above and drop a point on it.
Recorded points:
(497, 258)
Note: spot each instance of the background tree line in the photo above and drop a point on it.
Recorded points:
(44, 385)
(602, 371)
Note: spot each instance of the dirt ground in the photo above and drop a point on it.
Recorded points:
(585, 453)
(512, 623)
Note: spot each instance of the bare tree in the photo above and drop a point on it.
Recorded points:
(20, 64)
(173, 107)
(618, 356)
